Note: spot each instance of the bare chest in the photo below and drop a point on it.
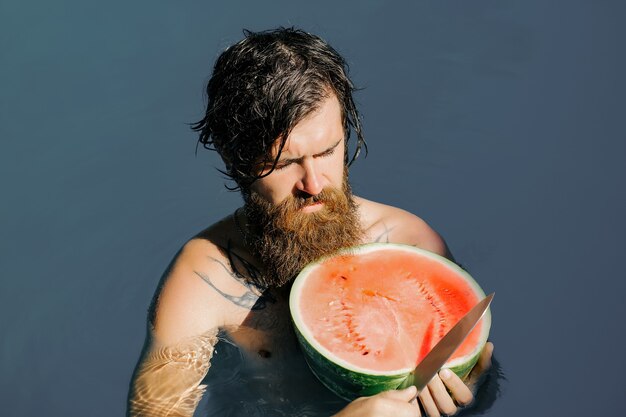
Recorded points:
(267, 333)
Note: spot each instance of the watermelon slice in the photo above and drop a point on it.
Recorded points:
(366, 316)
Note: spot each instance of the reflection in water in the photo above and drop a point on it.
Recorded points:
(167, 381)
(172, 380)
(255, 369)
(242, 384)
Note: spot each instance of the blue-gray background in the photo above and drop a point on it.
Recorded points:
(499, 123)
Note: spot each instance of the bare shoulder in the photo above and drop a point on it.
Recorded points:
(204, 288)
(388, 224)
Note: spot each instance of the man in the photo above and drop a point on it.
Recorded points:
(280, 113)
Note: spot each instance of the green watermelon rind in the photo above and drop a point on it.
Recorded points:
(350, 382)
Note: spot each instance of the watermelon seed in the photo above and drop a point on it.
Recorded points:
(344, 278)
(371, 293)
(365, 353)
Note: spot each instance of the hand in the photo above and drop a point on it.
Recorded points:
(394, 403)
(435, 397)
(474, 379)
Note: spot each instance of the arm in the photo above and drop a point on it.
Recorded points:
(167, 381)
(187, 315)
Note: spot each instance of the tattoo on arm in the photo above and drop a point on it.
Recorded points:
(384, 236)
(255, 297)
(247, 300)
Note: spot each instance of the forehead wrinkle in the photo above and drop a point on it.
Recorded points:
(328, 110)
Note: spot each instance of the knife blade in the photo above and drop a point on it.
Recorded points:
(437, 357)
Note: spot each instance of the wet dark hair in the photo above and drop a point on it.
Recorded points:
(261, 88)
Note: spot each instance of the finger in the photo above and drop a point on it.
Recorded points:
(430, 408)
(460, 392)
(485, 359)
(444, 402)
(416, 404)
(484, 363)
(404, 395)
(399, 403)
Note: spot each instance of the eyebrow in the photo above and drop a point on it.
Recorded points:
(293, 160)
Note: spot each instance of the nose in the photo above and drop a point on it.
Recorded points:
(311, 182)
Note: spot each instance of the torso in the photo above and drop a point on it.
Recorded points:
(256, 322)
(258, 358)
(261, 325)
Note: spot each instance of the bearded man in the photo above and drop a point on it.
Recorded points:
(280, 112)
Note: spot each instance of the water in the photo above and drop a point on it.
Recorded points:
(242, 383)
(499, 123)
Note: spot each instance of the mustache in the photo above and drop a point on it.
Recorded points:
(303, 199)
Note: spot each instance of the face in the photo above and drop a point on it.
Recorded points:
(304, 208)
(312, 159)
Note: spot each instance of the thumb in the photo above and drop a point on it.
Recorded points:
(406, 394)
(479, 371)
(484, 361)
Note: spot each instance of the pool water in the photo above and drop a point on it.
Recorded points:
(289, 388)
(499, 123)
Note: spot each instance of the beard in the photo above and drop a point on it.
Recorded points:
(285, 239)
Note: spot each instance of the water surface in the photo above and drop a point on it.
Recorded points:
(499, 123)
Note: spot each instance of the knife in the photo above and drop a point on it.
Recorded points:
(434, 360)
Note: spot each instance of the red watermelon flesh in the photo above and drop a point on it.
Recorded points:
(385, 310)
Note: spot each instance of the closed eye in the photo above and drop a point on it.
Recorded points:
(282, 166)
(287, 162)
(328, 152)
